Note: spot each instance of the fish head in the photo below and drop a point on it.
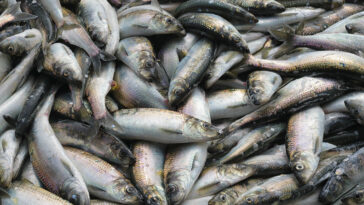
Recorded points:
(117, 152)
(99, 31)
(355, 108)
(177, 91)
(223, 198)
(177, 184)
(154, 195)
(334, 187)
(355, 198)
(147, 65)
(304, 165)
(122, 191)
(254, 196)
(5, 170)
(275, 7)
(167, 24)
(200, 129)
(256, 92)
(74, 192)
(351, 28)
(13, 45)
(239, 42)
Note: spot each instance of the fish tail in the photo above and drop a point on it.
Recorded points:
(96, 60)
(286, 34)
(19, 16)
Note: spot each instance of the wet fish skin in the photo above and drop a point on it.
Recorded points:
(212, 25)
(132, 91)
(53, 167)
(226, 143)
(190, 71)
(331, 4)
(294, 96)
(230, 103)
(173, 51)
(17, 75)
(355, 28)
(15, 103)
(28, 174)
(163, 126)
(147, 20)
(222, 8)
(22, 42)
(229, 195)
(276, 188)
(20, 159)
(338, 105)
(303, 142)
(23, 192)
(338, 121)
(61, 62)
(90, 139)
(328, 18)
(6, 65)
(138, 54)
(8, 150)
(356, 109)
(11, 30)
(261, 7)
(148, 172)
(54, 8)
(102, 179)
(346, 176)
(355, 198)
(262, 85)
(11, 15)
(339, 27)
(184, 163)
(255, 140)
(111, 104)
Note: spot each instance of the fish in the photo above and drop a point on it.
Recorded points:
(21, 43)
(289, 16)
(354, 28)
(21, 157)
(76, 35)
(355, 108)
(145, 94)
(338, 105)
(11, 15)
(331, 4)
(259, 7)
(222, 8)
(102, 179)
(339, 27)
(255, 140)
(12, 107)
(229, 195)
(337, 121)
(190, 71)
(214, 26)
(262, 85)
(61, 63)
(97, 87)
(174, 50)
(345, 177)
(184, 163)
(356, 197)
(28, 174)
(54, 9)
(303, 146)
(138, 54)
(8, 150)
(293, 97)
(279, 187)
(147, 20)
(111, 104)
(23, 192)
(12, 30)
(163, 126)
(231, 103)
(97, 142)
(329, 18)
(101, 21)
(148, 171)
(56, 171)
(18, 75)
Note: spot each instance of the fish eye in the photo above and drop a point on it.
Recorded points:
(66, 73)
(222, 197)
(74, 199)
(130, 190)
(149, 64)
(169, 21)
(177, 92)
(205, 125)
(299, 167)
(10, 49)
(249, 200)
(357, 196)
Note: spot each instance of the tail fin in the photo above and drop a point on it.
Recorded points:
(18, 16)
(96, 60)
(286, 34)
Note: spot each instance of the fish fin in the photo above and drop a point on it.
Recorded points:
(300, 27)
(111, 126)
(96, 63)
(284, 48)
(106, 56)
(156, 4)
(24, 17)
(171, 131)
(162, 75)
(77, 96)
(11, 121)
(181, 53)
(281, 35)
(13, 9)
(4, 194)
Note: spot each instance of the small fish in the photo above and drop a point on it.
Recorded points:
(339, 27)
(355, 28)
(338, 121)
(338, 105)
(262, 85)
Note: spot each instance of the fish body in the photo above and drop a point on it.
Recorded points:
(21, 42)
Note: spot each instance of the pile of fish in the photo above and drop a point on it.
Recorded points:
(189, 102)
